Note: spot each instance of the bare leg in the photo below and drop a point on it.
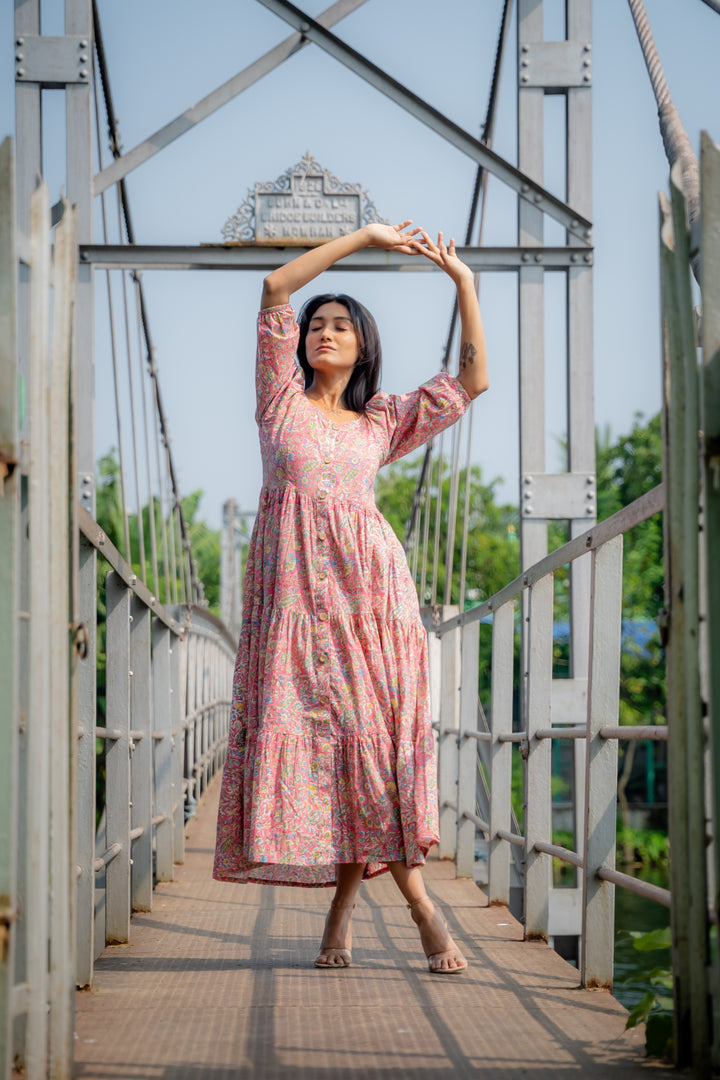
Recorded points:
(337, 939)
(442, 952)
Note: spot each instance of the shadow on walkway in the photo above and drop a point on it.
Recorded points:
(217, 983)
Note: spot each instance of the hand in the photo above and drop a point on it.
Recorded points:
(442, 256)
(392, 237)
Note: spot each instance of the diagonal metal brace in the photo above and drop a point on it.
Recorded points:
(524, 185)
(214, 101)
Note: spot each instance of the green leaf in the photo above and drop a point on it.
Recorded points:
(659, 1035)
(653, 939)
(641, 1011)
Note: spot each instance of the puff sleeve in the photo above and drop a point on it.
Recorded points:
(275, 368)
(413, 419)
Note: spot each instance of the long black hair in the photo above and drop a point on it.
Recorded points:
(365, 375)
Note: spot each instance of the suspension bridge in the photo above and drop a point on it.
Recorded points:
(120, 956)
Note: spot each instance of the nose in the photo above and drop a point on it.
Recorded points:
(325, 334)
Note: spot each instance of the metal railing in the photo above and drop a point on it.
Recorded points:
(69, 886)
(690, 499)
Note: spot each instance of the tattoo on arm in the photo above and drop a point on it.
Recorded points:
(468, 352)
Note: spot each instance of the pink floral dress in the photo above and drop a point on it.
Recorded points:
(330, 753)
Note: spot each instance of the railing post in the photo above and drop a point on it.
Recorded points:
(710, 246)
(37, 805)
(501, 719)
(162, 750)
(598, 929)
(538, 815)
(467, 749)
(141, 772)
(189, 724)
(9, 544)
(178, 678)
(86, 759)
(447, 743)
(63, 742)
(117, 759)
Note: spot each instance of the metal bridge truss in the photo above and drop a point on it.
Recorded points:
(173, 666)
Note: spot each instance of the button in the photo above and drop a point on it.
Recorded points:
(322, 575)
(322, 616)
(327, 460)
(322, 494)
(321, 536)
(322, 658)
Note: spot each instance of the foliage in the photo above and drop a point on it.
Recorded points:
(651, 847)
(655, 1007)
(492, 556)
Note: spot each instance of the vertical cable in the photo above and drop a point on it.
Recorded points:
(438, 520)
(151, 501)
(426, 528)
(173, 559)
(113, 344)
(466, 511)
(141, 527)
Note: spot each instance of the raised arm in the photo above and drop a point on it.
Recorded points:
(281, 283)
(473, 362)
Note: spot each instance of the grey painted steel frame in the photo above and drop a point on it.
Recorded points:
(572, 492)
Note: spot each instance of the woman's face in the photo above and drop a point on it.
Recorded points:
(331, 343)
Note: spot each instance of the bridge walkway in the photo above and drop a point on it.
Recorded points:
(218, 984)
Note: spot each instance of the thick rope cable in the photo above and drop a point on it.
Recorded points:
(113, 342)
(151, 502)
(115, 146)
(675, 139)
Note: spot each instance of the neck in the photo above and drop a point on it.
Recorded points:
(329, 388)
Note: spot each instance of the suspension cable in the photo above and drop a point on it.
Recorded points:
(113, 343)
(116, 147)
(151, 501)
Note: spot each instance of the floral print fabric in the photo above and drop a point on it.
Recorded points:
(330, 753)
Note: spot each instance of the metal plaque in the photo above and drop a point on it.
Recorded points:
(307, 205)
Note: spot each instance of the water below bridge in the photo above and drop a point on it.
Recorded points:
(218, 984)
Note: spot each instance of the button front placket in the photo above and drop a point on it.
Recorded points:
(322, 630)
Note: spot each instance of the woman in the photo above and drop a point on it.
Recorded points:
(330, 774)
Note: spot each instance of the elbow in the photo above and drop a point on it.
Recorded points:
(272, 294)
(476, 389)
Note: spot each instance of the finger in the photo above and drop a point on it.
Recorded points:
(402, 225)
(451, 249)
(430, 243)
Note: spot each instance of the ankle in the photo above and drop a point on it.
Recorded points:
(421, 908)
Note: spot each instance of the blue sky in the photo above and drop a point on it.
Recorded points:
(165, 56)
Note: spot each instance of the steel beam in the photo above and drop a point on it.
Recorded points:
(188, 120)
(260, 257)
(468, 750)
(528, 188)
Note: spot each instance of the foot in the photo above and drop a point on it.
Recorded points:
(337, 939)
(443, 955)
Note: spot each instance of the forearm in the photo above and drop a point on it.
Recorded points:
(473, 361)
(281, 283)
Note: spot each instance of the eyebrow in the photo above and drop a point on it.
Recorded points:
(332, 318)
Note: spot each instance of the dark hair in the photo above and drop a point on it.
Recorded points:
(365, 376)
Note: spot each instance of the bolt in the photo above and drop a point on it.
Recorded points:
(573, 258)
(83, 73)
(526, 580)
(525, 257)
(20, 72)
(527, 494)
(587, 48)
(587, 77)
(101, 539)
(524, 188)
(525, 77)
(83, 58)
(133, 579)
(87, 479)
(589, 479)
(20, 41)
(19, 56)
(574, 224)
(528, 479)
(587, 62)
(538, 258)
(528, 509)
(588, 234)
(83, 44)
(131, 673)
(152, 599)
(588, 540)
(130, 618)
(537, 197)
(525, 63)
(589, 509)
(588, 258)
(525, 48)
